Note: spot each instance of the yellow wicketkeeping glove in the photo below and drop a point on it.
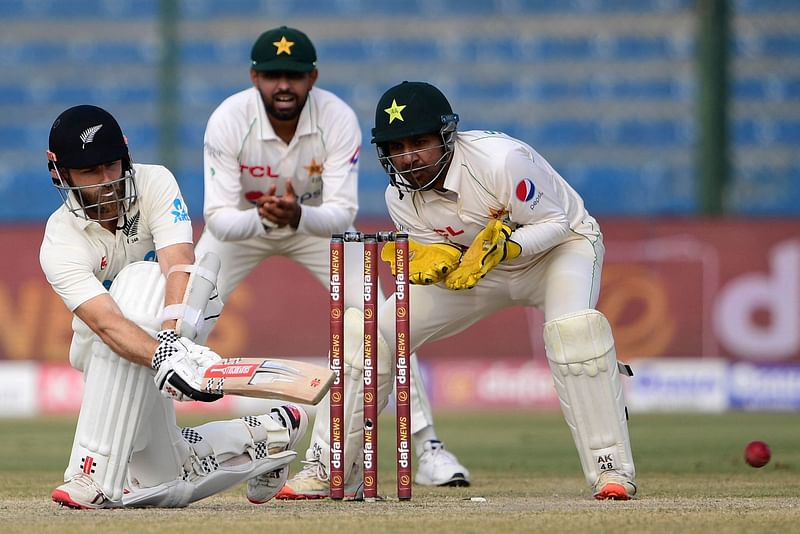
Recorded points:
(427, 263)
(491, 246)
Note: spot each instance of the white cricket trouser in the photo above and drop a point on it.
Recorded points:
(564, 281)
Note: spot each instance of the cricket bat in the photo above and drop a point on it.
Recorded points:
(268, 378)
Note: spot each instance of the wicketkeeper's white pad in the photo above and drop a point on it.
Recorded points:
(580, 351)
(353, 395)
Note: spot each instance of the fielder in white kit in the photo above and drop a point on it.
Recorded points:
(281, 176)
(493, 226)
(119, 253)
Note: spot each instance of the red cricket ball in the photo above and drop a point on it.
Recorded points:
(757, 454)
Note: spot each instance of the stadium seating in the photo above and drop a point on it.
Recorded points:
(606, 91)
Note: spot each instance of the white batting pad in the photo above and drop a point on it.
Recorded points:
(116, 391)
(580, 351)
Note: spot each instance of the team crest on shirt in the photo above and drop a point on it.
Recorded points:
(179, 211)
(130, 228)
(314, 169)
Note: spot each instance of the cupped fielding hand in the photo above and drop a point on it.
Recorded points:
(279, 211)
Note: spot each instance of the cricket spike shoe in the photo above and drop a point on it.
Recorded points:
(613, 485)
(264, 487)
(82, 493)
(439, 467)
(312, 482)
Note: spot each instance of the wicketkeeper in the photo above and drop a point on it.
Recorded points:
(119, 253)
(493, 225)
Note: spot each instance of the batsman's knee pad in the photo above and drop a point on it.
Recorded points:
(202, 305)
(222, 454)
(580, 351)
(116, 391)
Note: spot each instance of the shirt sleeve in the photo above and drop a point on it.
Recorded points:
(223, 188)
(534, 203)
(164, 209)
(339, 206)
(69, 268)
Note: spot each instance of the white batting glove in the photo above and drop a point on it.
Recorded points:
(179, 364)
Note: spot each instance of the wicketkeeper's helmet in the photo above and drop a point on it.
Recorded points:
(409, 109)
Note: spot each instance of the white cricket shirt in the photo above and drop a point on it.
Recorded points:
(244, 157)
(80, 258)
(494, 176)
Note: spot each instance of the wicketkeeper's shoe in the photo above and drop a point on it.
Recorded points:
(264, 487)
(81, 492)
(613, 485)
(440, 467)
(312, 482)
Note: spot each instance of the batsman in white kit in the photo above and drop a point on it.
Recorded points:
(119, 253)
(492, 225)
(281, 176)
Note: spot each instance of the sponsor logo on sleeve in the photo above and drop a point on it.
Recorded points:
(179, 211)
(525, 190)
(212, 150)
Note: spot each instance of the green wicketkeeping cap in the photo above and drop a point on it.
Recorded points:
(283, 49)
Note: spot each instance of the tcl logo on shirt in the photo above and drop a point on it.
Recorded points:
(447, 232)
(258, 171)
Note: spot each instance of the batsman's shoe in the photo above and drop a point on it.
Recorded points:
(613, 485)
(82, 493)
(264, 487)
(440, 467)
(312, 482)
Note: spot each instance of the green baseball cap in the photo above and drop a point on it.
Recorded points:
(283, 49)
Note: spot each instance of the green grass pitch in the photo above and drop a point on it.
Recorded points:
(691, 476)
